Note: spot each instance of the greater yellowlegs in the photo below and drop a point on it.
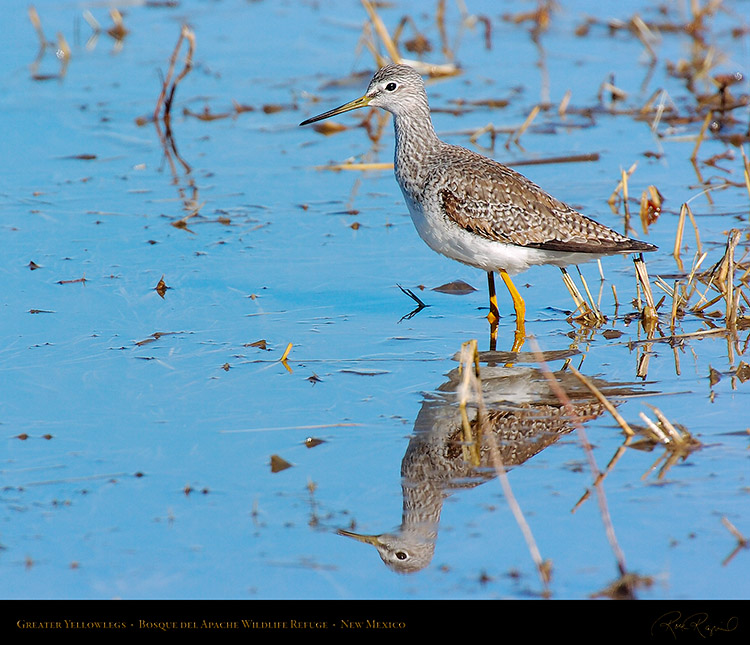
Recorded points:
(473, 209)
(523, 416)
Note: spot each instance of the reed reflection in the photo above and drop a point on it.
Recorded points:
(521, 416)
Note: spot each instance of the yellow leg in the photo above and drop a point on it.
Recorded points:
(494, 315)
(520, 307)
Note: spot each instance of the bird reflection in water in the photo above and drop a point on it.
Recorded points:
(523, 416)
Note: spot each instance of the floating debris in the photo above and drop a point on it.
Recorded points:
(161, 287)
(82, 280)
(456, 288)
(329, 127)
(624, 587)
(651, 206)
(278, 464)
(742, 541)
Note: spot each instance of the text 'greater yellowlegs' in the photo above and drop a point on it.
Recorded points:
(473, 209)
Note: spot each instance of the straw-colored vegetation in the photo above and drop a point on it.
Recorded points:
(706, 294)
(690, 295)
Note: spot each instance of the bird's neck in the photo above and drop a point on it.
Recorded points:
(415, 140)
(423, 503)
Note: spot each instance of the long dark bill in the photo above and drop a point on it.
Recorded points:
(362, 101)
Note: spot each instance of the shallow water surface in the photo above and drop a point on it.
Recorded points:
(141, 424)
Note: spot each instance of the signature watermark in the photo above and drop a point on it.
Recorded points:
(696, 624)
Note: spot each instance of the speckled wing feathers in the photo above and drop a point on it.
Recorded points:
(489, 199)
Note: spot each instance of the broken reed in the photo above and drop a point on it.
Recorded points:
(575, 420)
(470, 392)
(729, 277)
(677, 443)
(168, 89)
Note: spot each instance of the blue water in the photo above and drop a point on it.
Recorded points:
(145, 468)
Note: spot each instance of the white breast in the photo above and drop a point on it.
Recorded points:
(447, 238)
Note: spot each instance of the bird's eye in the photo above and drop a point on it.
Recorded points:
(390, 87)
(401, 555)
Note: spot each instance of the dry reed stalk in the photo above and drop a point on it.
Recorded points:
(37, 24)
(93, 22)
(285, 356)
(701, 135)
(602, 475)
(675, 306)
(580, 302)
(63, 49)
(732, 300)
(429, 69)
(194, 208)
(188, 34)
(470, 390)
(118, 31)
(646, 107)
(366, 38)
(678, 445)
(595, 472)
(745, 169)
(185, 34)
(382, 32)
(649, 315)
(516, 136)
(644, 35)
(679, 337)
(593, 307)
(615, 92)
(623, 175)
(721, 277)
(564, 103)
(678, 236)
(604, 401)
(672, 435)
(589, 156)
(742, 541)
(543, 567)
(484, 129)
(692, 279)
(695, 228)
(641, 370)
(625, 196)
(440, 21)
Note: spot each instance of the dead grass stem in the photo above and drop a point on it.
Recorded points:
(595, 473)
(470, 391)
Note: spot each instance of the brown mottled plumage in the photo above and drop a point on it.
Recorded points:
(523, 416)
(473, 209)
(497, 203)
